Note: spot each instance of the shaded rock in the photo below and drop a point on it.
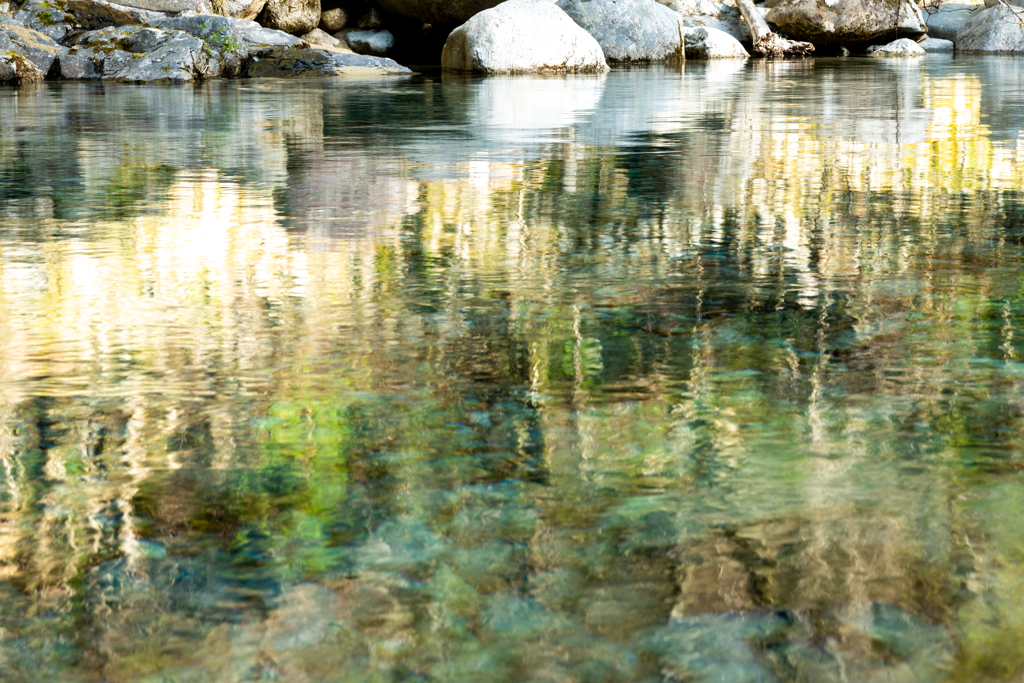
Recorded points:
(949, 19)
(709, 43)
(38, 48)
(1012, 3)
(628, 30)
(333, 20)
(291, 16)
(996, 30)
(370, 20)
(904, 47)
(839, 22)
(711, 14)
(240, 9)
(294, 62)
(443, 12)
(522, 36)
(318, 38)
(377, 43)
(936, 45)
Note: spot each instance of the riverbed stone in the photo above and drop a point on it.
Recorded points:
(240, 9)
(911, 21)
(710, 43)
(936, 45)
(333, 20)
(14, 68)
(291, 16)
(996, 30)
(171, 6)
(839, 22)
(711, 14)
(377, 43)
(297, 62)
(904, 47)
(216, 31)
(145, 54)
(38, 48)
(949, 18)
(256, 37)
(319, 38)
(440, 12)
(522, 36)
(629, 30)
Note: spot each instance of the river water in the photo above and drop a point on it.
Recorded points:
(702, 373)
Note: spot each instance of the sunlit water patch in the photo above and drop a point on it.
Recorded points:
(701, 373)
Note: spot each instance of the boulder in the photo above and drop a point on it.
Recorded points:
(1012, 3)
(218, 32)
(333, 20)
(377, 43)
(834, 23)
(711, 14)
(710, 43)
(291, 16)
(442, 12)
(936, 45)
(15, 68)
(20, 41)
(628, 30)
(170, 6)
(294, 62)
(370, 20)
(903, 47)
(256, 37)
(911, 21)
(318, 38)
(522, 36)
(57, 18)
(949, 18)
(996, 30)
(240, 9)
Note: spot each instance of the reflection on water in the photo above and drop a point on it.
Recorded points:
(710, 374)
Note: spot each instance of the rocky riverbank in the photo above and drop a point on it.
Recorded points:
(190, 40)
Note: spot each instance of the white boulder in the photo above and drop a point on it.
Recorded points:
(710, 43)
(936, 45)
(522, 36)
(629, 30)
(711, 14)
(904, 47)
(997, 30)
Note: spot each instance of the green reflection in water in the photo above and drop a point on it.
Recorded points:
(705, 375)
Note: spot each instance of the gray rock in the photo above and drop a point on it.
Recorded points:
(171, 6)
(291, 16)
(711, 14)
(911, 21)
(949, 18)
(377, 43)
(295, 62)
(710, 43)
(14, 68)
(522, 36)
(77, 66)
(442, 12)
(996, 30)
(220, 33)
(837, 22)
(628, 30)
(904, 47)
(256, 37)
(936, 45)
(1012, 3)
(333, 20)
(46, 18)
(319, 38)
(36, 47)
(148, 54)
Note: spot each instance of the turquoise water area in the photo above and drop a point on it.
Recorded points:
(708, 373)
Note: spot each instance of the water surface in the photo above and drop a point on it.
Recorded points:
(701, 373)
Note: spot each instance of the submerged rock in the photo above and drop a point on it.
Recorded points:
(296, 62)
(904, 47)
(839, 22)
(709, 43)
(950, 18)
(377, 43)
(711, 14)
(522, 36)
(629, 30)
(997, 30)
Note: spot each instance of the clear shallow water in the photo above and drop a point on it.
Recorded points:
(710, 374)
